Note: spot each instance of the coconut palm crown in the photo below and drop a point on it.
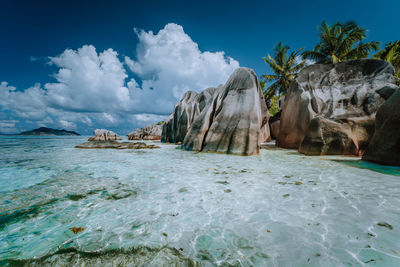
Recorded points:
(340, 42)
(285, 67)
(391, 53)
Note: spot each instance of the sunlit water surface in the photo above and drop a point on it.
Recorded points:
(172, 207)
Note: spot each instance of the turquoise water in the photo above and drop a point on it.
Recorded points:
(167, 207)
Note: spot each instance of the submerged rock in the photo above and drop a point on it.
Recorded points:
(235, 121)
(331, 107)
(115, 145)
(185, 112)
(384, 147)
(141, 256)
(150, 132)
(104, 135)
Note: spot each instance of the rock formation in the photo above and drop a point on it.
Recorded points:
(104, 135)
(274, 125)
(235, 121)
(332, 107)
(150, 132)
(186, 110)
(115, 145)
(384, 147)
(107, 139)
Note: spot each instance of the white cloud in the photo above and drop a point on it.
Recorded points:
(88, 81)
(92, 89)
(298, 59)
(171, 63)
(146, 118)
(8, 126)
(28, 104)
(67, 124)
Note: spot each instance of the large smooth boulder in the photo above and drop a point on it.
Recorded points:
(343, 96)
(384, 147)
(104, 135)
(150, 132)
(185, 111)
(235, 121)
(329, 137)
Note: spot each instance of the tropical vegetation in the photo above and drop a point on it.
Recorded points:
(339, 42)
(285, 66)
(391, 53)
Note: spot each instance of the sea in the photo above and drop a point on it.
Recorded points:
(64, 206)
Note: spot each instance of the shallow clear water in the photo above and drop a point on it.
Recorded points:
(172, 207)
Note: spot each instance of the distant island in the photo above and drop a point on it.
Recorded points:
(43, 131)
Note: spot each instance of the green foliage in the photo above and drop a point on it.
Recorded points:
(391, 53)
(284, 66)
(274, 106)
(263, 84)
(342, 41)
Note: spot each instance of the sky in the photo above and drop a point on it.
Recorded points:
(120, 65)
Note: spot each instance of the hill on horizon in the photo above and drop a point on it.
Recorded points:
(42, 131)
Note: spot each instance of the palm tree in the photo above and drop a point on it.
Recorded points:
(391, 53)
(342, 41)
(285, 68)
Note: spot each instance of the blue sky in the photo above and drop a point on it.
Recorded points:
(130, 88)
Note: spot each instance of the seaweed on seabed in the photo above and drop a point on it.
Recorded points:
(117, 257)
(8, 217)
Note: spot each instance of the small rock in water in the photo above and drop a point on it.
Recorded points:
(222, 182)
(385, 224)
(183, 189)
(164, 234)
(76, 230)
(298, 183)
(286, 195)
(227, 190)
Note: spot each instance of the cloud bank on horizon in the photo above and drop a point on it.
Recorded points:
(94, 89)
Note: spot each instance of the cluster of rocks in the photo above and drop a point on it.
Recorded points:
(108, 139)
(348, 108)
(150, 132)
(232, 118)
(330, 109)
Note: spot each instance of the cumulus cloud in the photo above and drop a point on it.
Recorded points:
(170, 63)
(88, 81)
(92, 89)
